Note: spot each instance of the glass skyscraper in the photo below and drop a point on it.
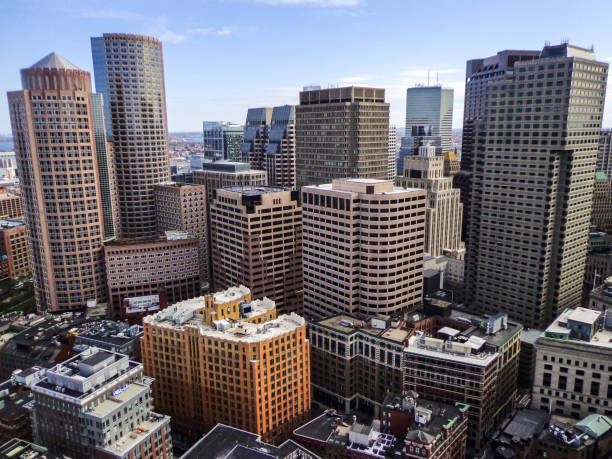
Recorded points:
(429, 112)
(222, 140)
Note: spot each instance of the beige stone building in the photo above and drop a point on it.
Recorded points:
(256, 240)
(220, 174)
(444, 208)
(363, 247)
(58, 171)
(601, 213)
(341, 132)
(533, 168)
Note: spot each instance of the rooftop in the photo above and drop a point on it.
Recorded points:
(362, 185)
(107, 331)
(123, 445)
(17, 448)
(580, 326)
(13, 397)
(54, 61)
(254, 190)
(5, 224)
(385, 328)
(225, 442)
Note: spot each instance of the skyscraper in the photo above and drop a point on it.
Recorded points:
(222, 140)
(392, 151)
(129, 74)
(106, 169)
(328, 143)
(256, 240)
(269, 143)
(479, 72)
(604, 158)
(429, 112)
(58, 170)
(362, 247)
(444, 208)
(532, 172)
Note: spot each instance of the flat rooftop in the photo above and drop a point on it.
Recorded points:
(145, 428)
(348, 325)
(602, 338)
(231, 443)
(254, 190)
(109, 405)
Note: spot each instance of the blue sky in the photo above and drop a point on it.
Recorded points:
(224, 56)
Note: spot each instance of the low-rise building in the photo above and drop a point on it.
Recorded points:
(356, 361)
(227, 358)
(168, 264)
(467, 359)
(228, 442)
(15, 394)
(10, 204)
(112, 336)
(574, 365)
(600, 298)
(99, 404)
(18, 448)
(14, 255)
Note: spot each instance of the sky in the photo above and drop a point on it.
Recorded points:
(223, 56)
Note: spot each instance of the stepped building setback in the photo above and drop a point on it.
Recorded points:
(229, 359)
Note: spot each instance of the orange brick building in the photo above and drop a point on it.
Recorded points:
(10, 204)
(224, 358)
(15, 261)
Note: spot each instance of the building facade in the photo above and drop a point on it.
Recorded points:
(534, 184)
(59, 183)
(222, 140)
(129, 73)
(168, 265)
(572, 370)
(444, 209)
(392, 151)
(604, 157)
(225, 358)
(429, 112)
(99, 404)
(14, 245)
(601, 213)
(105, 154)
(221, 174)
(10, 204)
(256, 240)
(363, 242)
(328, 143)
(183, 207)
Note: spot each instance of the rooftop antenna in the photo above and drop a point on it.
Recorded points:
(428, 78)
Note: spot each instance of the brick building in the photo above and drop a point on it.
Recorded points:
(14, 246)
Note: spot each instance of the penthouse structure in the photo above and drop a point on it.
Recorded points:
(14, 246)
(468, 360)
(98, 404)
(328, 144)
(226, 358)
(256, 239)
(444, 209)
(129, 73)
(167, 265)
(363, 243)
(59, 183)
(183, 207)
(357, 361)
(572, 370)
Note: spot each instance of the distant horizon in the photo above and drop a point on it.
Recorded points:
(222, 57)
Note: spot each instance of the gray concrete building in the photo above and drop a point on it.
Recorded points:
(532, 170)
(573, 370)
(341, 132)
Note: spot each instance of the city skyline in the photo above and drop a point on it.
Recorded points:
(195, 36)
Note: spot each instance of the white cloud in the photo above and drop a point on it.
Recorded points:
(321, 3)
(354, 79)
(159, 28)
(222, 32)
(113, 14)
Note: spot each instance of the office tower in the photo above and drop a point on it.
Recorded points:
(237, 363)
(472, 360)
(10, 204)
(444, 209)
(269, 143)
(479, 73)
(221, 174)
(572, 373)
(222, 140)
(166, 265)
(59, 183)
(14, 257)
(98, 404)
(255, 138)
(410, 145)
(346, 225)
(129, 73)
(604, 157)
(601, 213)
(358, 380)
(180, 206)
(429, 112)
(392, 151)
(328, 144)
(256, 240)
(105, 154)
(532, 184)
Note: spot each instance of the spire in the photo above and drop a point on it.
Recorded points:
(54, 61)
